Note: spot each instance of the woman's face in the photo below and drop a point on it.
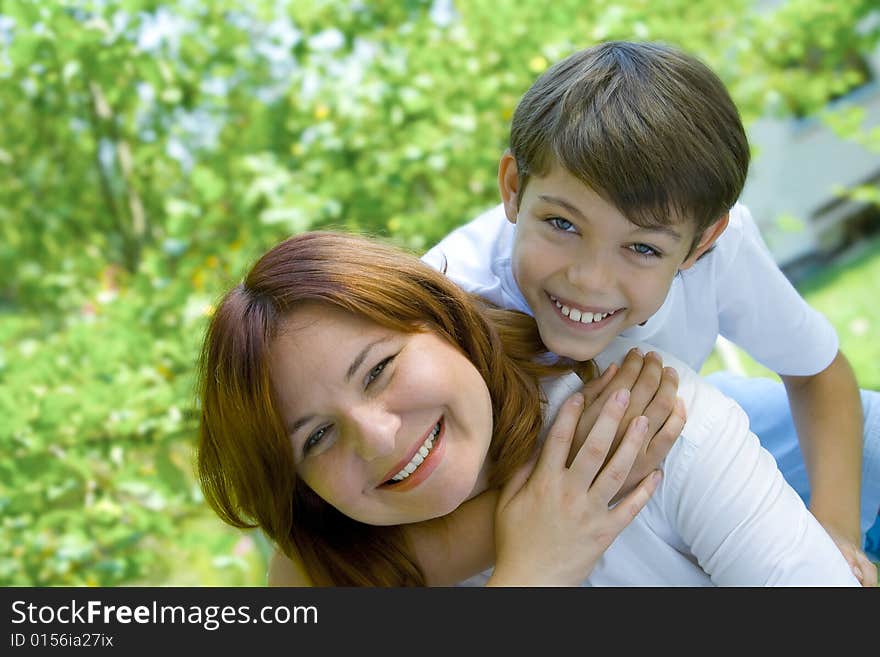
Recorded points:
(388, 427)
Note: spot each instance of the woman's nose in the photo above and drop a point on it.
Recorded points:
(376, 431)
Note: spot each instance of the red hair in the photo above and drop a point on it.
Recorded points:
(245, 458)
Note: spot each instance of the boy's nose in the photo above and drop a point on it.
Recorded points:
(589, 274)
(376, 431)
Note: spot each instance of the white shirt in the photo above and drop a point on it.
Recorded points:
(736, 290)
(722, 515)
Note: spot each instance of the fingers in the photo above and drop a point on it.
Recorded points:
(864, 570)
(594, 451)
(658, 446)
(630, 369)
(595, 392)
(630, 506)
(595, 387)
(609, 481)
(558, 442)
(627, 374)
(624, 376)
(647, 385)
(598, 391)
(661, 405)
(654, 389)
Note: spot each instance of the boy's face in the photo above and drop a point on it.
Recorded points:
(586, 271)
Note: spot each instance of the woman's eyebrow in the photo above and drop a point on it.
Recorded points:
(359, 359)
(293, 427)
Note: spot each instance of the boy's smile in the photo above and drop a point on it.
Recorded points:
(586, 271)
(580, 318)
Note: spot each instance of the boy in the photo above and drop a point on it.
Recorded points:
(619, 216)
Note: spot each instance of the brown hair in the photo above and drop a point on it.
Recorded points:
(650, 128)
(245, 459)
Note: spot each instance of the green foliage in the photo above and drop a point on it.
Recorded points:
(150, 151)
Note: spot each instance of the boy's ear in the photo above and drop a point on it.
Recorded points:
(508, 185)
(707, 239)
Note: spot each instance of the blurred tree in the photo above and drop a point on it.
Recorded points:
(151, 150)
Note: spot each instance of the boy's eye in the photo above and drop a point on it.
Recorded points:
(645, 250)
(314, 438)
(374, 373)
(561, 224)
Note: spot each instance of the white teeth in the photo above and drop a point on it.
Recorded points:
(580, 316)
(419, 456)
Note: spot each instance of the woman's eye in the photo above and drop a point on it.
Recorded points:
(561, 224)
(314, 438)
(376, 371)
(645, 250)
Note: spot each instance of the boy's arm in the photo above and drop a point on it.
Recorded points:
(726, 498)
(762, 312)
(827, 413)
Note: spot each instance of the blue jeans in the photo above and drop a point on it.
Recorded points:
(766, 404)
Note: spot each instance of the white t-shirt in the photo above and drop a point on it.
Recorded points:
(723, 514)
(736, 290)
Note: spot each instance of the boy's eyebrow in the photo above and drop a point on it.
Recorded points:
(659, 228)
(562, 203)
(666, 230)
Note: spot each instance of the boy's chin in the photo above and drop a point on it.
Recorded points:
(575, 348)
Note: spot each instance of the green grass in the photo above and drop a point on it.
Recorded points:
(210, 553)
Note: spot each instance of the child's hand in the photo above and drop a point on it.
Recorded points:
(653, 394)
(862, 567)
(552, 522)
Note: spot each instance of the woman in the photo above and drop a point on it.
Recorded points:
(339, 363)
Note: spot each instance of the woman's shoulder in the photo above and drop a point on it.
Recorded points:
(284, 571)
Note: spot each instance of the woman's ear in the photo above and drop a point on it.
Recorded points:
(508, 185)
(707, 239)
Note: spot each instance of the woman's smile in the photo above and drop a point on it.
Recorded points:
(374, 411)
(425, 459)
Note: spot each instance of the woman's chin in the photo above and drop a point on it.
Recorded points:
(440, 505)
(443, 503)
(451, 505)
(437, 496)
